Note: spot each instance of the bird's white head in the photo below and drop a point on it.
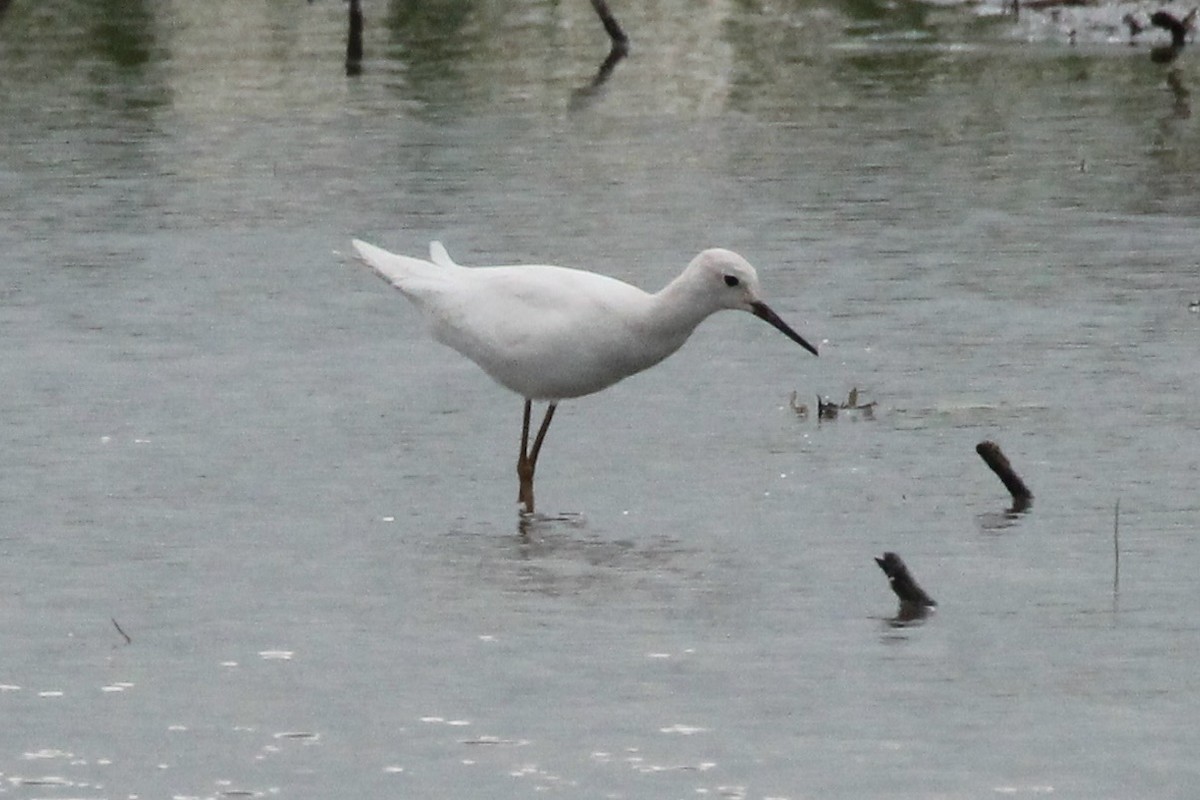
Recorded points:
(728, 278)
(731, 282)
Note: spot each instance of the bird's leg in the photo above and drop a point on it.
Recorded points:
(541, 434)
(524, 469)
(527, 461)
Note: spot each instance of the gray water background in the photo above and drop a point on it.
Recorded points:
(221, 436)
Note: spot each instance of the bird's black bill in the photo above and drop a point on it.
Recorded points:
(764, 312)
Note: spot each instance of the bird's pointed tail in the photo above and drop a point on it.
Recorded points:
(400, 271)
(439, 256)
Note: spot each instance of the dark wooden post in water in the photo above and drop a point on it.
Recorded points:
(354, 43)
(902, 581)
(915, 603)
(992, 456)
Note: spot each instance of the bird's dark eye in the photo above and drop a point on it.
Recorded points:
(731, 280)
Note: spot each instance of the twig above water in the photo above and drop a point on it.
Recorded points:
(354, 40)
(618, 51)
(620, 42)
(121, 631)
(1179, 30)
(1117, 548)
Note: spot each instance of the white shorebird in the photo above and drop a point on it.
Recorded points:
(551, 333)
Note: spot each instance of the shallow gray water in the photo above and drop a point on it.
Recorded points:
(224, 441)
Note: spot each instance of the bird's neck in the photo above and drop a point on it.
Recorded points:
(675, 312)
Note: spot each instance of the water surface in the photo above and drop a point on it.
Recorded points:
(226, 442)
